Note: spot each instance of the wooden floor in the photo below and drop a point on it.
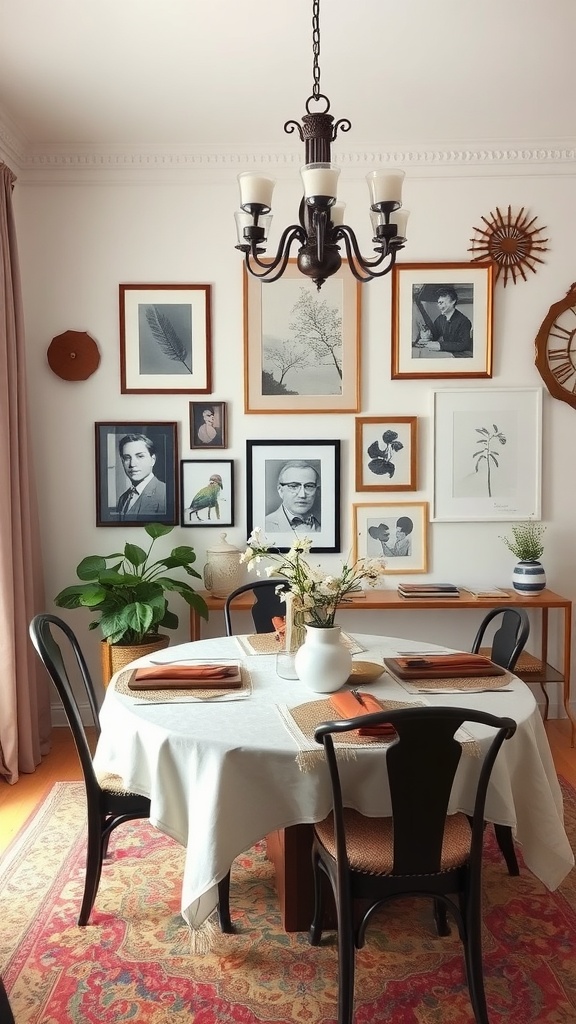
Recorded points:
(18, 802)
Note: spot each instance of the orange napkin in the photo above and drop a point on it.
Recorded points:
(159, 677)
(347, 706)
(279, 623)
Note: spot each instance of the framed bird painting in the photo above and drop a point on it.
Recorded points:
(207, 492)
(165, 339)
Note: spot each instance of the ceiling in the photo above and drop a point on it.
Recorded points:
(229, 73)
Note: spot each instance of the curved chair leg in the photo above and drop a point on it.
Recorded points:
(474, 972)
(506, 843)
(94, 856)
(346, 957)
(441, 918)
(224, 919)
(315, 933)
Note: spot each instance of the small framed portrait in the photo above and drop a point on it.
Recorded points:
(396, 532)
(165, 341)
(386, 453)
(208, 425)
(442, 320)
(293, 490)
(207, 492)
(136, 466)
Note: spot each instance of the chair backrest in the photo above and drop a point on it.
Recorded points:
(509, 639)
(42, 629)
(419, 768)
(267, 604)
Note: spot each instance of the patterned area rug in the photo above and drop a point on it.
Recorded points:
(133, 962)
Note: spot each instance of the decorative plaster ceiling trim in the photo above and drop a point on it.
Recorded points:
(53, 161)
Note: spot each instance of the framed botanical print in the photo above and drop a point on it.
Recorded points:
(136, 473)
(207, 492)
(394, 531)
(441, 320)
(488, 454)
(165, 342)
(293, 490)
(208, 425)
(301, 346)
(386, 453)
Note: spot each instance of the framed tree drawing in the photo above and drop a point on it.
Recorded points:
(136, 473)
(441, 320)
(165, 343)
(302, 347)
(386, 453)
(294, 491)
(207, 492)
(488, 454)
(394, 531)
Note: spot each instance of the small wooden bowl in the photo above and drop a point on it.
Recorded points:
(364, 672)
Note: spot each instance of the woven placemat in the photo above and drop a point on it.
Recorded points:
(526, 662)
(121, 684)
(459, 683)
(270, 643)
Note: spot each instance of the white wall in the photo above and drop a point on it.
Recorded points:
(78, 241)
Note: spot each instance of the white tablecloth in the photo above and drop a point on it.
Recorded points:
(220, 776)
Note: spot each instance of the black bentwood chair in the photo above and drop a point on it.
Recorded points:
(419, 851)
(508, 642)
(267, 604)
(108, 803)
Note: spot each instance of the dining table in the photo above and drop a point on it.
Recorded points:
(223, 772)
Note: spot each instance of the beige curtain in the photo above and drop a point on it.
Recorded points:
(24, 694)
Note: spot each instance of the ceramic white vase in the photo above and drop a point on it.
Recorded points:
(528, 578)
(323, 663)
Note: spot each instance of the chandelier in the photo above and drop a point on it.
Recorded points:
(321, 228)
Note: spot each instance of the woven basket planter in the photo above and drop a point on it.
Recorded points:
(113, 657)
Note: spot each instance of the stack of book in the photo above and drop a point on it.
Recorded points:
(428, 590)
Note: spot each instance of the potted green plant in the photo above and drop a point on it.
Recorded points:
(128, 593)
(526, 543)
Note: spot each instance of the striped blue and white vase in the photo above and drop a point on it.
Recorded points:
(528, 578)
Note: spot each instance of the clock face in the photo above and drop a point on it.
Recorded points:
(556, 349)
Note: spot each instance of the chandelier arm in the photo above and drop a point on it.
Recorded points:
(289, 235)
(355, 258)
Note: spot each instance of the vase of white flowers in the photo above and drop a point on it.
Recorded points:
(528, 576)
(315, 595)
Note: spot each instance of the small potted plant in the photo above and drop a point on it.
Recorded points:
(128, 593)
(526, 543)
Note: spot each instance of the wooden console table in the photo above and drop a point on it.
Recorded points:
(390, 600)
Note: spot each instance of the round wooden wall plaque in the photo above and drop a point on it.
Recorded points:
(73, 355)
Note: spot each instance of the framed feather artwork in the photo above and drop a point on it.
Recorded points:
(165, 339)
(207, 492)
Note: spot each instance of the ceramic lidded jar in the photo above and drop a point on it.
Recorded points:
(222, 571)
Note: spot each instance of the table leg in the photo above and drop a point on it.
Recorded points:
(567, 657)
(289, 849)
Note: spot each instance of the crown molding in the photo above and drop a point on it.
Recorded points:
(51, 163)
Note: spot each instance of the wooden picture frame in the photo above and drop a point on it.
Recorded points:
(206, 492)
(394, 531)
(165, 339)
(487, 454)
(442, 320)
(314, 497)
(302, 347)
(208, 427)
(386, 453)
(127, 455)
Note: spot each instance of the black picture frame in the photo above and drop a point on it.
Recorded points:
(264, 464)
(218, 508)
(160, 504)
(198, 425)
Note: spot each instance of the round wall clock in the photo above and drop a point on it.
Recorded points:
(556, 349)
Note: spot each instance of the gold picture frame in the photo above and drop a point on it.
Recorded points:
(301, 346)
(386, 453)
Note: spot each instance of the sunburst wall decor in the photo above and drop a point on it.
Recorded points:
(510, 242)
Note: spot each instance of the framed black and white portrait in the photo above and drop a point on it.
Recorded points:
(293, 490)
(207, 492)
(136, 479)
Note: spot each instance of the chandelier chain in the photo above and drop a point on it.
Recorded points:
(316, 49)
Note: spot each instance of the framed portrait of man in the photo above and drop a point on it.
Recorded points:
(136, 474)
(294, 491)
